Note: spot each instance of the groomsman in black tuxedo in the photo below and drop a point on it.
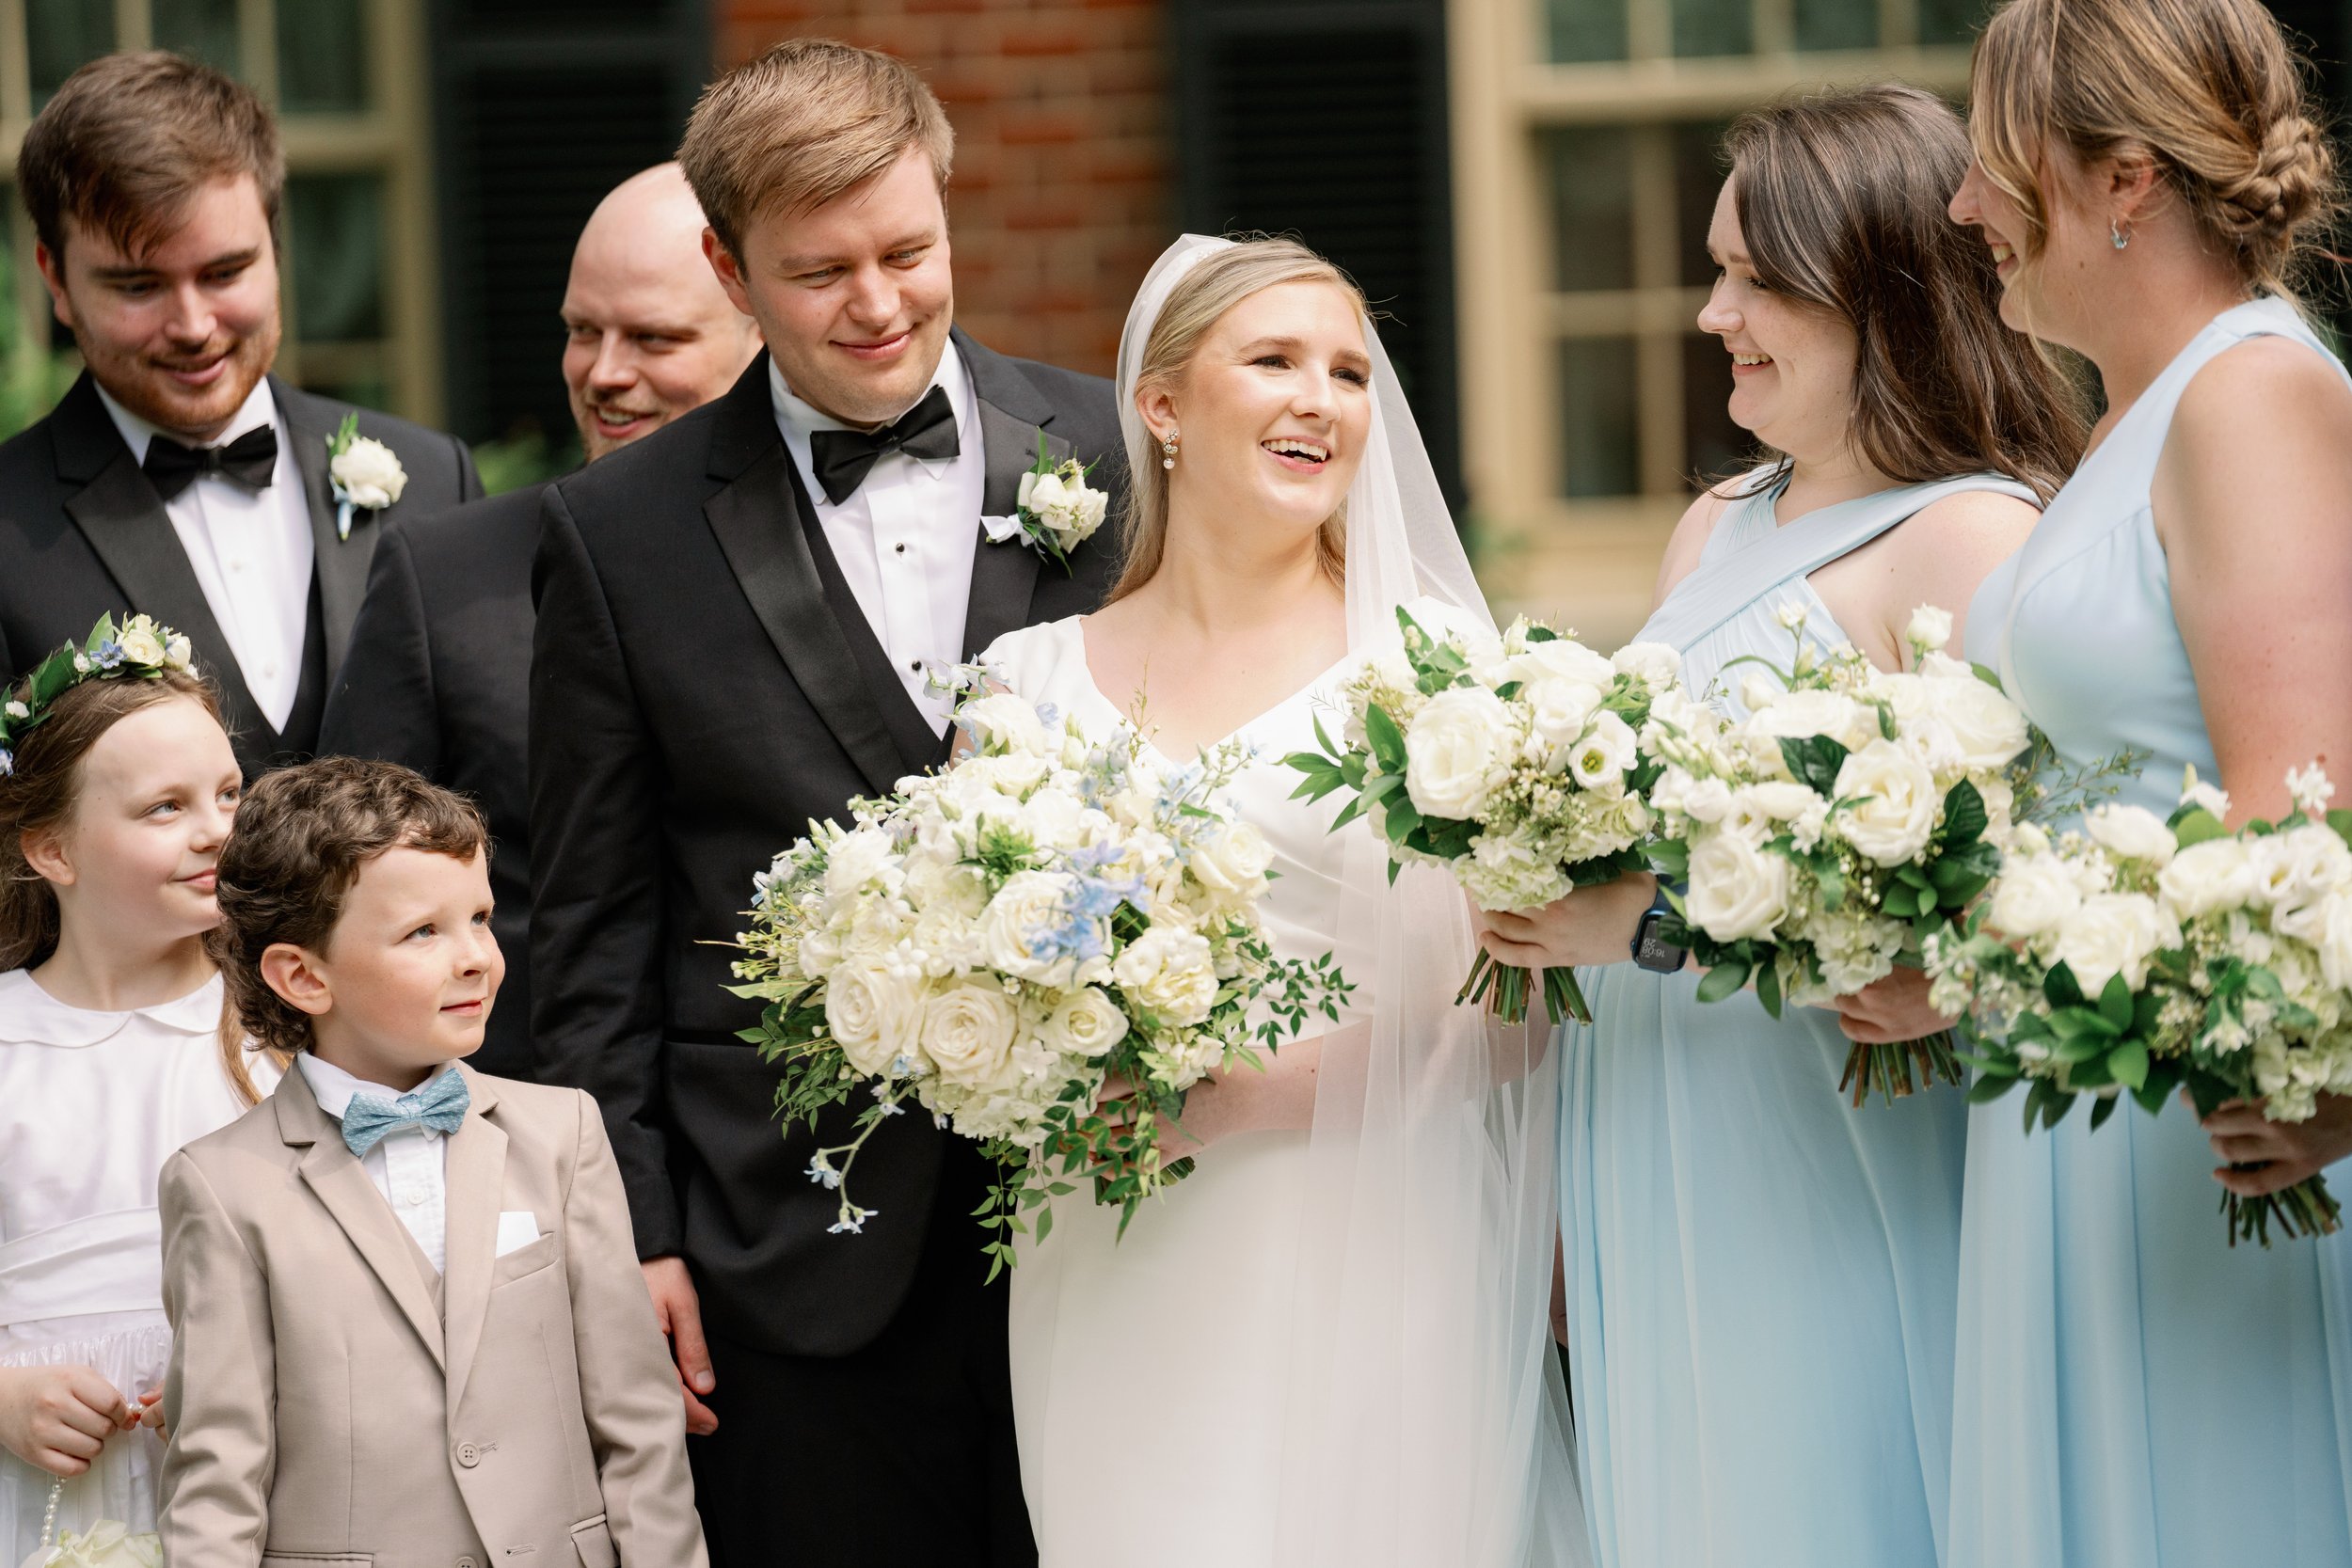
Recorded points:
(738, 620)
(177, 477)
(439, 677)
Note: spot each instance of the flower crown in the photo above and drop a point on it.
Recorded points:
(135, 648)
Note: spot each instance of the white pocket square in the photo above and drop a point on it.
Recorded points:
(518, 1229)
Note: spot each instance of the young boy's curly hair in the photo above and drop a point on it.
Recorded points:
(301, 837)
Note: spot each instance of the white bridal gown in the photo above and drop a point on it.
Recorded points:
(1149, 1374)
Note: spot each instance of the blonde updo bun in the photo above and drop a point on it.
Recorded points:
(2209, 88)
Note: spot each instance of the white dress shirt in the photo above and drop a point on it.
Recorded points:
(406, 1166)
(905, 538)
(251, 551)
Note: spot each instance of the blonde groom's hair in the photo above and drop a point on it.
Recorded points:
(806, 122)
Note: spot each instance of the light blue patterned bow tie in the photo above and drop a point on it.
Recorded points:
(439, 1105)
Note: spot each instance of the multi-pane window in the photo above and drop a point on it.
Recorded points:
(347, 80)
(1588, 139)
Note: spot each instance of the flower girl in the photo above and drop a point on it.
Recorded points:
(117, 786)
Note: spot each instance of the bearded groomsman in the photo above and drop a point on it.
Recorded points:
(439, 677)
(738, 621)
(177, 477)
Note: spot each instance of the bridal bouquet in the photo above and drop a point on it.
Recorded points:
(1510, 760)
(1043, 947)
(1848, 816)
(2142, 955)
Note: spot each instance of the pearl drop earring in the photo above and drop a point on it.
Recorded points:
(1167, 450)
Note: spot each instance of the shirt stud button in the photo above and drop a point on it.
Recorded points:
(902, 549)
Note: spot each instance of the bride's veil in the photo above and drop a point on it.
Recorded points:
(1426, 1421)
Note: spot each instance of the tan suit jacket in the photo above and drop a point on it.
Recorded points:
(325, 1412)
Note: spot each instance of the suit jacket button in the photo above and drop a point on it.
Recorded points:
(468, 1455)
(467, 1562)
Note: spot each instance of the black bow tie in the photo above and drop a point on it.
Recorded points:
(843, 457)
(250, 460)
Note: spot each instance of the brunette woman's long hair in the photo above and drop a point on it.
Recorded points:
(1841, 199)
(37, 797)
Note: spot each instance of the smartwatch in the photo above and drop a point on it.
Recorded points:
(1651, 950)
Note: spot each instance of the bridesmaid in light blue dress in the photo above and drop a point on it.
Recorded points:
(1759, 1277)
(2134, 1392)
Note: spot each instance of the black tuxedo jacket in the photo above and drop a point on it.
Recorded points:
(439, 677)
(83, 533)
(704, 684)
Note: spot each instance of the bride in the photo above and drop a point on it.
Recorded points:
(1328, 1345)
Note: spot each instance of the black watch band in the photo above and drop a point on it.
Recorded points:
(1651, 950)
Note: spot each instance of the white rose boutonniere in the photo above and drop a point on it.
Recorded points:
(1056, 511)
(366, 473)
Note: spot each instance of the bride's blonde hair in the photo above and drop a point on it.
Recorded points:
(1195, 306)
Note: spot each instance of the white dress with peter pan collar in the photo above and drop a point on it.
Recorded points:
(91, 1105)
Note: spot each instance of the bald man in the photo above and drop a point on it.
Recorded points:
(439, 671)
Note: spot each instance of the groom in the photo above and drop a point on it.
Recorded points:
(738, 618)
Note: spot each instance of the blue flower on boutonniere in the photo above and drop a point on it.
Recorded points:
(1057, 510)
(365, 471)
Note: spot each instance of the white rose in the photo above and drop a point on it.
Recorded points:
(17, 710)
(2031, 897)
(1958, 723)
(1085, 1023)
(2130, 832)
(370, 474)
(1793, 715)
(875, 1016)
(1706, 801)
(1781, 800)
(109, 1544)
(2111, 934)
(2216, 874)
(1457, 752)
(967, 1033)
(1560, 707)
(1929, 629)
(140, 645)
(1026, 913)
(1561, 658)
(1657, 664)
(1604, 754)
(1002, 722)
(857, 859)
(179, 652)
(1232, 862)
(1895, 801)
(1170, 972)
(1737, 890)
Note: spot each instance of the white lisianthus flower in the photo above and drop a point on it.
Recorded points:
(1602, 756)
(875, 1016)
(2206, 878)
(179, 653)
(1560, 707)
(369, 472)
(1895, 802)
(1003, 722)
(1025, 911)
(1561, 658)
(1758, 691)
(1063, 502)
(1232, 862)
(1457, 752)
(2333, 939)
(2196, 792)
(2032, 896)
(1737, 890)
(1794, 714)
(2130, 832)
(967, 1033)
(2111, 934)
(1657, 664)
(1929, 629)
(1170, 972)
(1085, 1022)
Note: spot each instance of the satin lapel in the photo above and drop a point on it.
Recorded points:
(758, 528)
(341, 1184)
(123, 520)
(1004, 576)
(342, 564)
(477, 1189)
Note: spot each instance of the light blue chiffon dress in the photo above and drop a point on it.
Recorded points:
(2134, 1392)
(1760, 1277)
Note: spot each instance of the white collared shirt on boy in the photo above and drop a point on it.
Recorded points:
(407, 1166)
(251, 550)
(905, 537)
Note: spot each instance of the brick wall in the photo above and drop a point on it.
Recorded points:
(1061, 195)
